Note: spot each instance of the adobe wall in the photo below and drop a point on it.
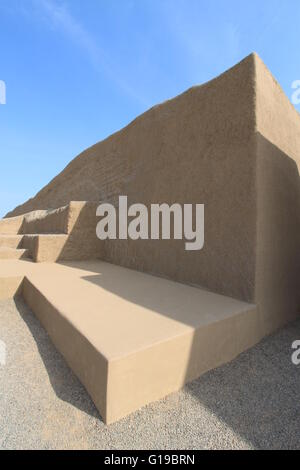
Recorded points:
(231, 145)
(276, 118)
(82, 242)
(198, 148)
(64, 234)
(277, 290)
(11, 226)
(46, 221)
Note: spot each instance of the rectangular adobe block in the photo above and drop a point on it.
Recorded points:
(132, 338)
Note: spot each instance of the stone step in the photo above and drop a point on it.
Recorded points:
(131, 338)
(11, 241)
(13, 253)
(50, 248)
(67, 233)
(77, 215)
(46, 247)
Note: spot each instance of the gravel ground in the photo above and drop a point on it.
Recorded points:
(251, 403)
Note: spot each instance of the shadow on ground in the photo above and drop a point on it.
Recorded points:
(257, 395)
(64, 383)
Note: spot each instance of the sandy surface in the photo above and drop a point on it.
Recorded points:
(253, 402)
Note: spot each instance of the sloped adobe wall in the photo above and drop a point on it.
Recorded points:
(230, 144)
(199, 148)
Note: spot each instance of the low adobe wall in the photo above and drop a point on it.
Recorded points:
(46, 221)
(11, 226)
(64, 234)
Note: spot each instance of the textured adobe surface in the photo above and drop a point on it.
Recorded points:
(250, 403)
(131, 338)
(233, 145)
(196, 148)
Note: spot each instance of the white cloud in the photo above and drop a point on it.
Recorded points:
(60, 17)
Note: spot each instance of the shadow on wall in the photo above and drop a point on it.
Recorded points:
(274, 242)
(65, 384)
(257, 263)
(257, 394)
(67, 233)
(82, 242)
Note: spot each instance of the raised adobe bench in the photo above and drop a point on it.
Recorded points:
(131, 338)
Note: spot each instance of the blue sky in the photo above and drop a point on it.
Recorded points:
(78, 70)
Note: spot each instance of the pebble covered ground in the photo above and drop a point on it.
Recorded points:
(251, 403)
